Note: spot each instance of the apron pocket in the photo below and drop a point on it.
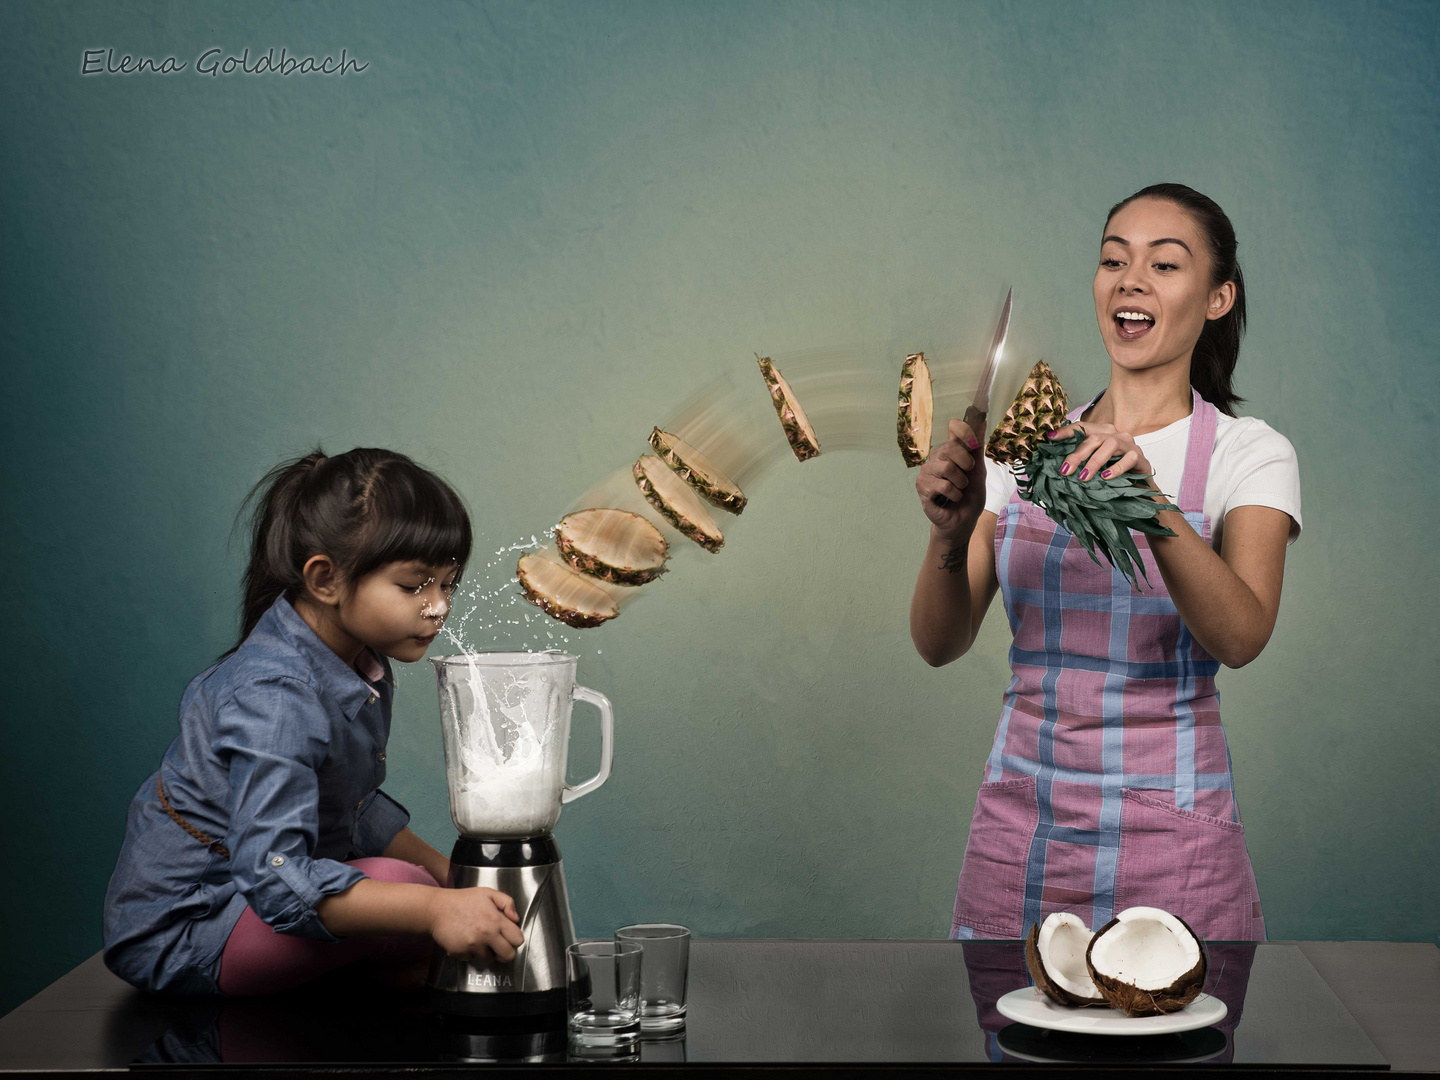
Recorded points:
(990, 895)
(1191, 865)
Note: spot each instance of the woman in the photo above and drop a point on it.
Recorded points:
(1109, 781)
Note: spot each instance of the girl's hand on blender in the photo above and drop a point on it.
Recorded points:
(955, 470)
(476, 923)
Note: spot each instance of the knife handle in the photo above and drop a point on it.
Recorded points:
(975, 419)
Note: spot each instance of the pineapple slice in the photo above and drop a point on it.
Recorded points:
(564, 594)
(917, 407)
(792, 416)
(695, 469)
(1040, 406)
(676, 503)
(613, 545)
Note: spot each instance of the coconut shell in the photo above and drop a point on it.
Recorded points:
(1133, 1001)
(1046, 985)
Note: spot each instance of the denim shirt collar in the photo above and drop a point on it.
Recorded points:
(337, 678)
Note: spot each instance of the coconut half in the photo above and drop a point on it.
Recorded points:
(1055, 955)
(917, 408)
(613, 545)
(1147, 961)
(563, 593)
(696, 470)
(676, 503)
(792, 417)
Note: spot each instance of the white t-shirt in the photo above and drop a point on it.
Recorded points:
(1252, 465)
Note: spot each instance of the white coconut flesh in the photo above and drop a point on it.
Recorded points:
(564, 593)
(1147, 948)
(614, 544)
(675, 500)
(698, 471)
(1062, 943)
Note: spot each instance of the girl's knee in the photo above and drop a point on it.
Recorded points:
(381, 868)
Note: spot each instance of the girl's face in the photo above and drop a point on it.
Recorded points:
(1155, 266)
(399, 608)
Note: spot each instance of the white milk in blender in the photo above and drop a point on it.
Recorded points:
(506, 766)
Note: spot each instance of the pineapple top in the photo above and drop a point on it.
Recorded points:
(1040, 406)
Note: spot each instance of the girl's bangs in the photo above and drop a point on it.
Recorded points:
(415, 517)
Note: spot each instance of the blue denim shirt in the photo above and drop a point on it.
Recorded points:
(280, 757)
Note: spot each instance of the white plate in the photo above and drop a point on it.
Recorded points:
(1030, 1006)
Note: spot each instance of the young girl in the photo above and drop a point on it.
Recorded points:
(263, 853)
(1109, 782)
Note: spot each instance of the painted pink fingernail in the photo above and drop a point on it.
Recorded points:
(1084, 473)
(1106, 474)
(1065, 469)
(973, 443)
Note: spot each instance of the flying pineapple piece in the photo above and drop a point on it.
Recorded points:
(676, 503)
(695, 469)
(613, 545)
(563, 593)
(1099, 512)
(792, 416)
(917, 406)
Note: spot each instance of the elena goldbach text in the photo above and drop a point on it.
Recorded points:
(214, 62)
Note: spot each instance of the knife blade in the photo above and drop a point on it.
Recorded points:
(980, 404)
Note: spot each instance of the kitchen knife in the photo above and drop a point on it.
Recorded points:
(990, 380)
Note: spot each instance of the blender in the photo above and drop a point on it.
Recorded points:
(505, 717)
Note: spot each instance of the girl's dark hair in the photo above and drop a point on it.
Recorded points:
(1212, 365)
(363, 509)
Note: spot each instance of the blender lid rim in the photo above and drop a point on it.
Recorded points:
(489, 657)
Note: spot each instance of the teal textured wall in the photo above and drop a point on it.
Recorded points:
(527, 232)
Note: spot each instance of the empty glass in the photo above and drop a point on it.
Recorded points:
(604, 992)
(664, 974)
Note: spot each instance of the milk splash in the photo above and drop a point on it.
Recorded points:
(504, 752)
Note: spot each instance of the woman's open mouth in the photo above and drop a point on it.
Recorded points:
(1133, 323)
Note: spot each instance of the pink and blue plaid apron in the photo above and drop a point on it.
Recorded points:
(1109, 781)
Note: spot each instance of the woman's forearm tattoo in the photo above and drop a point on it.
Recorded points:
(953, 560)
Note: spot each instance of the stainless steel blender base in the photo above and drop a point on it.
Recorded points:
(533, 982)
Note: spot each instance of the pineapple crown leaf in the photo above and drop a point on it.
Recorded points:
(1101, 513)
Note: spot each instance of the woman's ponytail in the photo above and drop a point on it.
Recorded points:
(363, 509)
(1212, 364)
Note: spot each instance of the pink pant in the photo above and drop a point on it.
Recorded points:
(257, 960)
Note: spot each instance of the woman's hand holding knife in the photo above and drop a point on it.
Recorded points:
(951, 483)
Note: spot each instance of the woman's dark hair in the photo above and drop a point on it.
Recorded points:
(1212, 365)
(363, 509)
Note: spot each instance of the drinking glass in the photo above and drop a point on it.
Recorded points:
(603, 992)
(663, 978)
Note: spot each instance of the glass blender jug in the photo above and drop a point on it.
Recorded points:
(505, 717)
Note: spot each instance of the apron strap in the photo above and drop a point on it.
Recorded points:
(1203, 424)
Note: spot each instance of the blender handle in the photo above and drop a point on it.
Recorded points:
(607, 743)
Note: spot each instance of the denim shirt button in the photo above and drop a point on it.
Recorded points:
(380, 757)
(278, 860)
(371, 700)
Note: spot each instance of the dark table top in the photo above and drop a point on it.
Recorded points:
(1313, 1005)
